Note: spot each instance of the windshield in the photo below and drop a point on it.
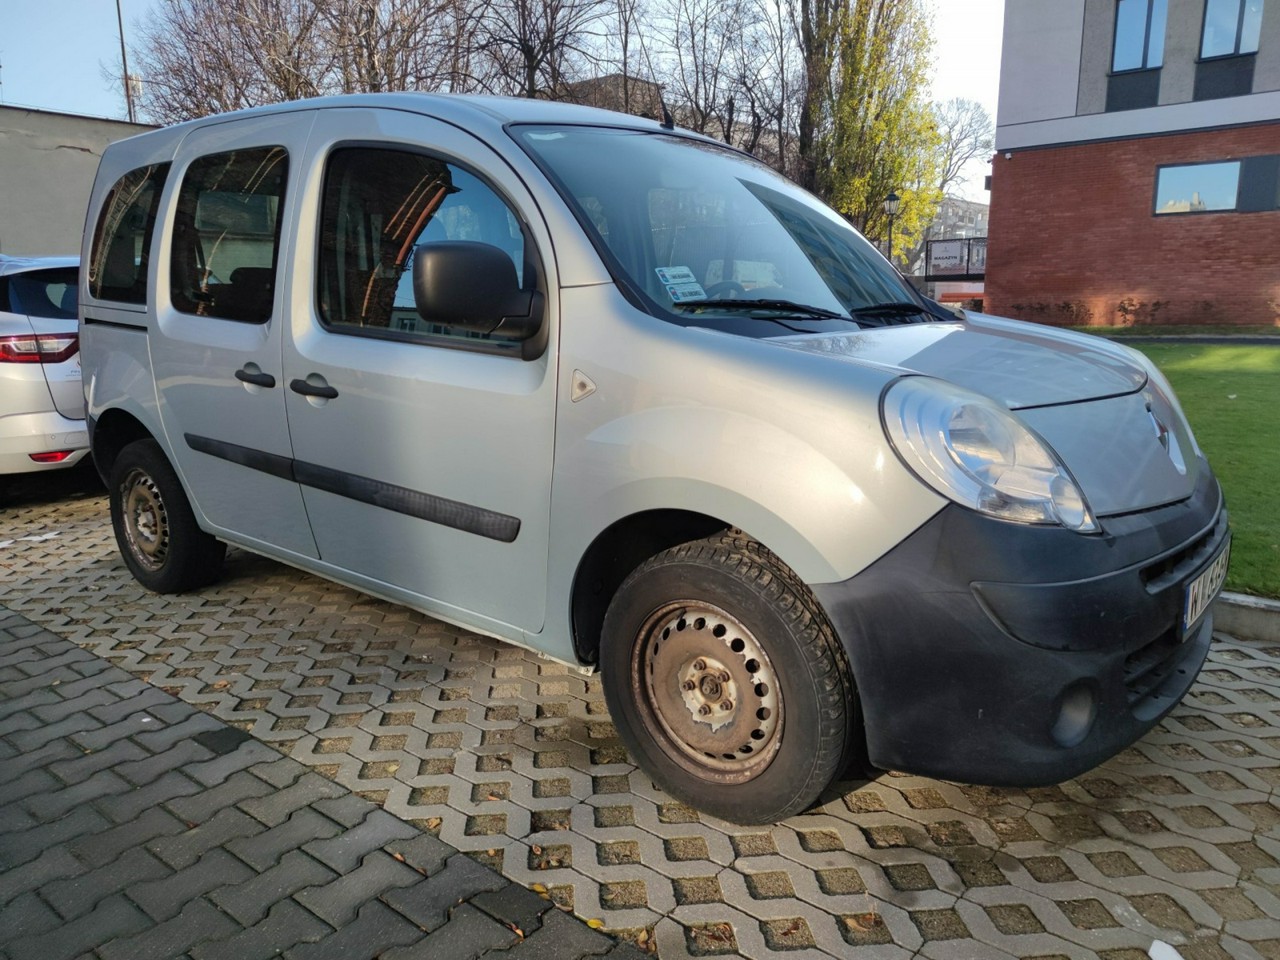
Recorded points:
(697, 229)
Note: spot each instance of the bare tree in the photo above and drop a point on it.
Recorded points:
(209, 56)
(397, 44)
(817, 25)
(765, 70)
(967, 133)
(202, 56)
(533, 47)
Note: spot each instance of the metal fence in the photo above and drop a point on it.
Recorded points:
(959, 259)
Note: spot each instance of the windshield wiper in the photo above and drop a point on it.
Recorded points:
(801, 310)
(892, 306)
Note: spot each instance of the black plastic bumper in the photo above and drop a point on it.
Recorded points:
(995, 653)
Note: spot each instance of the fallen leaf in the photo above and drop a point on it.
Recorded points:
(863, 921)
(538, 888)
(795, 926)
(595, 924)
(493, 796)
(516, 930)
(537, 850)
(399, 856)
(433, 822)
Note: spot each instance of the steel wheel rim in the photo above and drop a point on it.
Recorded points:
(146, 522)
(707, 688)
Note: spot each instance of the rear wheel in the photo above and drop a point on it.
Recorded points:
(156, 531)
(726, 681)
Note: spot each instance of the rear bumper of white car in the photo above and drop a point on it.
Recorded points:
(24, 434)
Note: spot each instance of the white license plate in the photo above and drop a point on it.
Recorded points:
(1202, 590)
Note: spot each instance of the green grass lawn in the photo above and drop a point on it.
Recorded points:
(1183, 330)
(1231, 395)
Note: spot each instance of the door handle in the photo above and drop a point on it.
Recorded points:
(255, 376)
(313, 390)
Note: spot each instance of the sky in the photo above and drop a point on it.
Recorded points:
(54, 55)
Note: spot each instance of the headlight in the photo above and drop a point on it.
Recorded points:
(975, 452)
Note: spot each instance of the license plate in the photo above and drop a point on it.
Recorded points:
(1203, 589)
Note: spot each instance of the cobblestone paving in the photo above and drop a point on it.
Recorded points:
(514, 759)
(132, 826)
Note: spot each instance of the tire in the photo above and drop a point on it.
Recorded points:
(726, 681)
(159, 539)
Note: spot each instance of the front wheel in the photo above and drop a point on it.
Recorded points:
(726, 681)
(156, 531)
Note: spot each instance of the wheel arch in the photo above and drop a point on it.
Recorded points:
(112, 431)
(615, 552)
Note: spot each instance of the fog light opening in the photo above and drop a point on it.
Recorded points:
(1075, 715)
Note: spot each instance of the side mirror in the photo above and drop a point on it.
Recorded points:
(473, 286)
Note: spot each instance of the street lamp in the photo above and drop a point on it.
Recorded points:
(892, 203)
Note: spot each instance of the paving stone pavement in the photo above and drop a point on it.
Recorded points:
(513, 759)
(133, 825)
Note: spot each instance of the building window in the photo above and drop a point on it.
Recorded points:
(1197, 188)
(1140, 27)
(1231, 27)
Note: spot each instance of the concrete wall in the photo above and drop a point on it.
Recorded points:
(1266, 71)
(47, 165)
(1040, 63)
(1095, 55)
(1073, 236)
(1181, 50)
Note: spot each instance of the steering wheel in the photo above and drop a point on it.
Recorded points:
(725, 286)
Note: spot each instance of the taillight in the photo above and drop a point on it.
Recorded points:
(39, 348)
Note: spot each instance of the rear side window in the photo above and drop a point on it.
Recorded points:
(122, 238)
(380, 205)
(226, 237)
(43, 293)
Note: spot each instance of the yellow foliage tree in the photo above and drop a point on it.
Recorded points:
(873, 131)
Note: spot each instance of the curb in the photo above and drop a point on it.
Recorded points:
(1247, 618)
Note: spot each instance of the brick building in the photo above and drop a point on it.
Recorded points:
(1137, 174)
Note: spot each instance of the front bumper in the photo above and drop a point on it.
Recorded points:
(995, 653)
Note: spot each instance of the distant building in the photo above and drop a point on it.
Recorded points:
(625, 94)
(957, 218)
(47, 164)
(1137, 174)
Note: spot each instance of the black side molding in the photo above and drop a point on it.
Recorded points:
(118, 324)
(271, 463)
(388, 496)
(413, 503)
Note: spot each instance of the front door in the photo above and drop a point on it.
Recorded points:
(216, 344)
(424, 453)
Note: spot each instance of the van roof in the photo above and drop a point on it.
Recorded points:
(467, 110)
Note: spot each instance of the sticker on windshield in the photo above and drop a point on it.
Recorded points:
(682, 286)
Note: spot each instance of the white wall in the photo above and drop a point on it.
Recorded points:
(47, 165)
(1040, 64)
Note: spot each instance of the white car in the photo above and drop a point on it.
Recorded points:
(41, 400)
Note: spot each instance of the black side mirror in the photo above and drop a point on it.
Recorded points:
(473, 286)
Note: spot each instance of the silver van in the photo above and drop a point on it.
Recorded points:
(627, 397)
